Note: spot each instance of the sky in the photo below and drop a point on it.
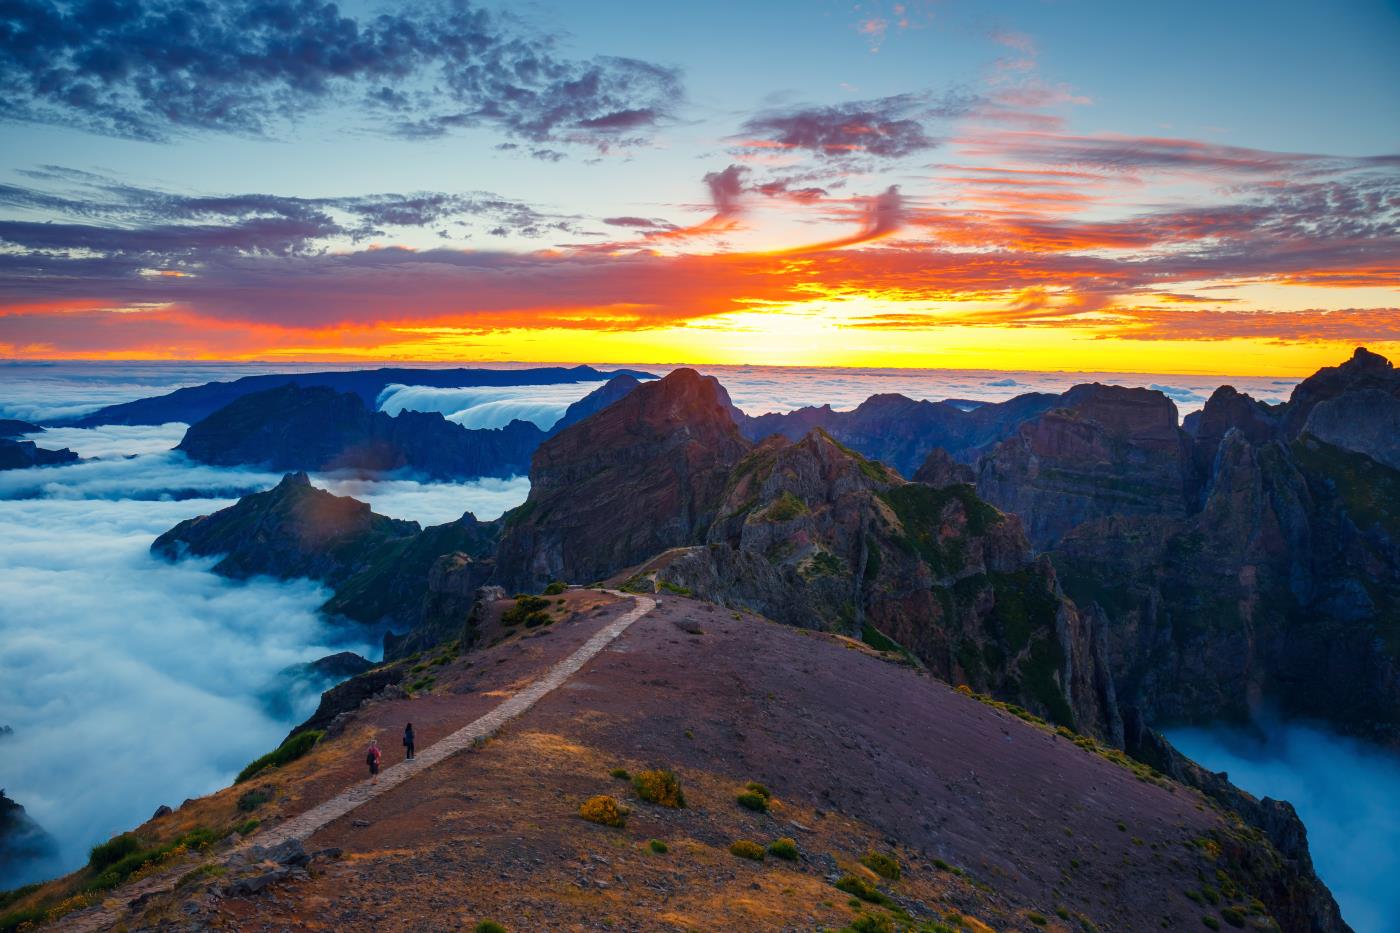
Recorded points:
(1191, 187)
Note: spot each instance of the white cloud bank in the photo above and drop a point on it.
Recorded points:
(488, 406)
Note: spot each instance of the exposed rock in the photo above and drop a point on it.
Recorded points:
(939, 469)
(347, 697)
(1106, 451)
(815, 535)
(161, 810)
(640, 476)
(19, 455)
(1281, 584)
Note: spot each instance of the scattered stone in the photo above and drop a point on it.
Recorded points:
(360, 823)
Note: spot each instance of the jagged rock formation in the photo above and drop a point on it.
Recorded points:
(815, 535)
(317, 428)
(1104, 450)
(1281, 583)
(195, 403)
(18, 455)
(901, 432)
(642, 475)
(940, 469)
(385, 572)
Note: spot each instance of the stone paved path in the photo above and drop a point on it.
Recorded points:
(305, 825)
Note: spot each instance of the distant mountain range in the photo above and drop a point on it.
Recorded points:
(195, 403)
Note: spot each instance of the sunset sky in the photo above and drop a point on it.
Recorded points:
(1049, 184)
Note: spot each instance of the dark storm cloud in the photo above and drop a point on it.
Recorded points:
(154, 69)
(888, 127)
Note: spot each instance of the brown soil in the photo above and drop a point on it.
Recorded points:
(996, 820)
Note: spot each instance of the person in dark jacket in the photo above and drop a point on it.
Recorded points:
(372, 756)
(408, 742)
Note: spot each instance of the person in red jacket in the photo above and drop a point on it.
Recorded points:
(372, 759)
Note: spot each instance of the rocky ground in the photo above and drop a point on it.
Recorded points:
(996, 822)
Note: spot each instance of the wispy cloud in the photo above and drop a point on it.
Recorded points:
(157, 69)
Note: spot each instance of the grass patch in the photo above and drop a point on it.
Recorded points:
(784, 848)
(289, 751)
(555, 588)
(659, 847)
(750, 800)
(785, 508)
(660, 788)
(674, 589)
(529, 611)
(247, 826)
(870, 923)
(864, 890)
(621, 774)
(488, 926)
(603, 810)
(250, 800)
(112, 851)
(745, 848)
(886, 866)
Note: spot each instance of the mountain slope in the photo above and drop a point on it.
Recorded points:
(1002, 822)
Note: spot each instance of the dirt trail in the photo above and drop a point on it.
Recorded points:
(303, 826)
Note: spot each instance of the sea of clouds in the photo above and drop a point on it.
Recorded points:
(132, 682)
(1344, 790)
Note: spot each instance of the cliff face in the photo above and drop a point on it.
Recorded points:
(1105, 451)
(636, 478)
(1283, 584)
(815, 535)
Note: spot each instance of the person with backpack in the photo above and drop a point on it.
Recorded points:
(372, 759)
(408, 742)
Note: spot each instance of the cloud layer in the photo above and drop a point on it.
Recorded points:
(154, 69)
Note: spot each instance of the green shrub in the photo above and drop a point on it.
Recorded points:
(744, 848)
(784, 848)
(15, 894)
(21, 918)
(886, 866)
(247, 827)
(659, 847)
(621, 774)
(859, 887)
(289, 751)
(1037, 919)
(524, 609)
(112, 851)
(555, 588)
(870, 923)
(250, 800)
(1232, 916)
(659, 787)
(1210, 922)
(757, 788)
(752, 801)
(488, 926)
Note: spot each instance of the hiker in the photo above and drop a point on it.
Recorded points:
(408, 742)
(372, 759)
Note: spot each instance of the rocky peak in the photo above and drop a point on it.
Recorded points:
(1228, 409)
(644, 474)
(1365, 370)
(291, 530)
(1107, 450)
